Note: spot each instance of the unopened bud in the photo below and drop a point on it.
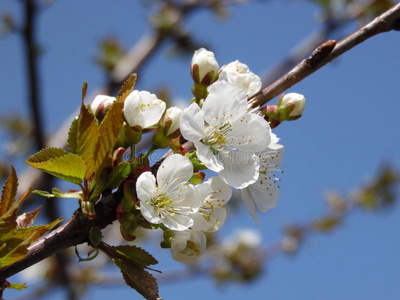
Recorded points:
(118, 156)
(292, 105)
(88, 210)
(271, 115)
(204, 67)
(197, 177)
(101, 104)
(171, 122)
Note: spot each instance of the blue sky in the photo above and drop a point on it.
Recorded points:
(349, 128)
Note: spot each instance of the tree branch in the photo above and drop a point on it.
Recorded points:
(74, 232)
(389, 20)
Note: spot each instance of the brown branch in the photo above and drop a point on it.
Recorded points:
(29, 31)
(389, 20)
(74, 232)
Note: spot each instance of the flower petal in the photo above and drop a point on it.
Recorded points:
(174, 170)
(240, 169)
(149, 213)
(205, 155)
(249, 203)
(192, 123)
(145, 186)
(177, 222)
(252, 132)
(224, 101)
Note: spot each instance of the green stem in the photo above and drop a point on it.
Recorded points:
(146, 155)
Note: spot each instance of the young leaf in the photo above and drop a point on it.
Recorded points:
(108, 132)
(127, 87)
(73, 137)
(118, 175)
(68, 167)
(137, 254)
(87, 139)
(9, 191)
(45, 155)
(57, 193)
(17, 286)
(128, 258)
(84, 90)
(140, 280)
(18, 240)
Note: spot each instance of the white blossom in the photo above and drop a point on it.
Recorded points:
(264, 193)
(239, 74)
(212, 212)
(170, 200)
(226, 135)
(187, 246)
(143, 109)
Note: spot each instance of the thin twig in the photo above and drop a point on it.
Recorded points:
(329, 51)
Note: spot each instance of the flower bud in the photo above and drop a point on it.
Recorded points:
(293, 104)
(204, 67)
(171, 122)
(271, 115)
(101, 104)
(88, 210)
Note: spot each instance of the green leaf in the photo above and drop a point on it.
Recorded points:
(327, 223)
(95, 236)
(136, 254)
(45, 155)
(9, 192)
(57, 193)
(118, 175)
(73, 137)
(17, 286)
(87, 139)
(68, 167)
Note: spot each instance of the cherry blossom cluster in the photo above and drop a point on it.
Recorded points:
(228, 136)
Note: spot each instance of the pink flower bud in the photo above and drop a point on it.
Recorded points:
(101, 103)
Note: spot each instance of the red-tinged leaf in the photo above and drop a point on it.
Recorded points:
(127, 87)
(132, 270)
(8, 220)
(9, 191)
(69, 167)
(19, 239)
(87, 140)
(141, 281)
(84, 90)
(73, 137)
(26, 219)
(46, 154)
(108, 132)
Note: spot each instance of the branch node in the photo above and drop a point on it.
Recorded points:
(321, 52)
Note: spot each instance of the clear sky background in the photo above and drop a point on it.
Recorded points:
(349, 128)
